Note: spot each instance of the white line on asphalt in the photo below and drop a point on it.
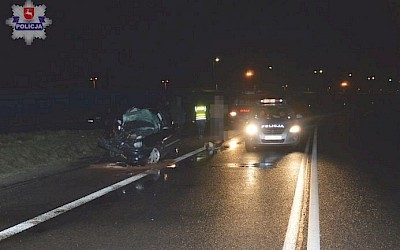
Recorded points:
(74, 204)
(295, 214)
(180, 158)
(313, 238)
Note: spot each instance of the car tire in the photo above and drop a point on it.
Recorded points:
(154, 156)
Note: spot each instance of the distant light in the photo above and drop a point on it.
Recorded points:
(233, 143)
(249, 73)
(321, 71)
(344, 84)
(350, 74)
(369, 78)
(390, 80)
(217, 59)
(270, 67)
(233, 113)
(373, 77)
(315, 71)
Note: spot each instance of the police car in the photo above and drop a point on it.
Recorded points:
(273, 123)
(241, 109)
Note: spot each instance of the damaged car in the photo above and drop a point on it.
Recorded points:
(143, 136)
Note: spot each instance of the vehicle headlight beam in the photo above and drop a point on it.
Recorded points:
(251, 129)
(295, 129)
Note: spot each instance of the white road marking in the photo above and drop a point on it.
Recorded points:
(180, 158)
(295, 214)
(313, 238)
(74, 204)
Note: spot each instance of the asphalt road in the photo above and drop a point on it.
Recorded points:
(232, 199)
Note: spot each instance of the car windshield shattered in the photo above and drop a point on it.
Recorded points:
(141, 121)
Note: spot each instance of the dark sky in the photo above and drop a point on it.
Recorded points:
(129, 43)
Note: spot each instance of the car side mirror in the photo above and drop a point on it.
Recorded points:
(298, 116)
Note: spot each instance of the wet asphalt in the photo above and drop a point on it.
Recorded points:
(232, 199)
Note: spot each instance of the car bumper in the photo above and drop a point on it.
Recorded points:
(287, 139)
(132, 155)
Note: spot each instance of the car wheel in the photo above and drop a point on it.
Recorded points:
(154, 156)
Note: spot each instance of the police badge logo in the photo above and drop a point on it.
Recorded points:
(28, 22)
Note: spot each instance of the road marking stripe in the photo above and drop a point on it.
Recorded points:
(74, 204)
(295, 214)
(180, 158)
(313, 238)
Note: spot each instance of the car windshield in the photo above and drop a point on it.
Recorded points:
(141, 119)
(269, 112)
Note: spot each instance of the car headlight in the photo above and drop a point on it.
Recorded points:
(251, 129)
(295, 129)
(233, 113)
(138, 144)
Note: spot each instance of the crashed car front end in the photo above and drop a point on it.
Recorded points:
(131, 141)
(128, 146)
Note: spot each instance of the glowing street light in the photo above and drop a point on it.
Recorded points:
(344, 84)
(93, 79)
(249, 73)
(215, 61)
(165, 82)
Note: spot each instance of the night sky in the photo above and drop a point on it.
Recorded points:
(139, 43)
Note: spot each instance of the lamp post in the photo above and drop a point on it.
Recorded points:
(249, 75)
(318, 81)
(344, 85)
(165, 83)
(93, 79)
(285, 86)
(214, 62)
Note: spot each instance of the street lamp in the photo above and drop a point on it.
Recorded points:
(93, 79)
(249, 75)
(214, 62)
(165, 82)
(284, 88)
(344, 85)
